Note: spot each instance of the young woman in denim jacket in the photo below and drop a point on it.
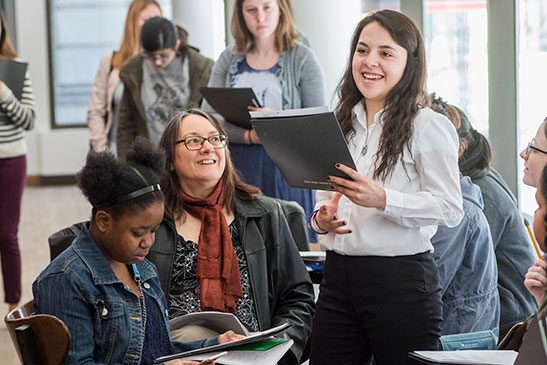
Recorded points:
(283, 73)
(465, 258)
(512, 245)
(102, 286)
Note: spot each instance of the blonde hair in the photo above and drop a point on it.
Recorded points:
(6, 48)
(130, 45)
(285, 33)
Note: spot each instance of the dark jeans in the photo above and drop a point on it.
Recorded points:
(376, 306)
(12, 182)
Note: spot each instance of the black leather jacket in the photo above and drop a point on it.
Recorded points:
(281, 286)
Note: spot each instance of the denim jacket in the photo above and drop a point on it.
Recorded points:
(467, 269)
(102, 314)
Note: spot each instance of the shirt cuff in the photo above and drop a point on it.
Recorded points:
(394, 203)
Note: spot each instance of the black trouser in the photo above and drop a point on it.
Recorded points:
(373, 305)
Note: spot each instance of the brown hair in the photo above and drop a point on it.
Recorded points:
(477, 156)
(285, 33)
(6, 48)
(131, 43)
(437, 104)
(402, 102)
(233, 185)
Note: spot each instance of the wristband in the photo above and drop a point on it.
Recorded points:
(313, 225)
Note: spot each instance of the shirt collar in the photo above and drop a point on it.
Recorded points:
(361, 117)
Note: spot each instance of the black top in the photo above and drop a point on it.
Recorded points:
(185, 289)
(156, 339)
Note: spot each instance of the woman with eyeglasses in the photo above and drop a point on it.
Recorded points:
(512, 245)
(535, 156)
(535, 160)
(164, 78)
(104, 103)
(222, 246)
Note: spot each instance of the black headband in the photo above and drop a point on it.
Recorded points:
(137, 193)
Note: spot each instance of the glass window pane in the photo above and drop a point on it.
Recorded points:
(532, 61)
(82, 31)
(455, 35)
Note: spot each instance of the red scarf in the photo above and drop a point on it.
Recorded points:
(217, 266)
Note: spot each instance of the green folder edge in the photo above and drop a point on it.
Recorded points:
(262, 345)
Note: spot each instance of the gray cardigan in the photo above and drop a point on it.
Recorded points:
(513, 248)
(302, 82)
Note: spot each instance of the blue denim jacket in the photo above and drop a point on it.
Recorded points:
(467, 269)
(102, 314)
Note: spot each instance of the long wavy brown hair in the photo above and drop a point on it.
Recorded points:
(285, 33)
(6, 48)
(234, 187)
(402, 102)
(131, 41)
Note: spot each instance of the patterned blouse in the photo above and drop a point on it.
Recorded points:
(185, 291)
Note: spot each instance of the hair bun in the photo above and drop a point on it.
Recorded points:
(146, 155)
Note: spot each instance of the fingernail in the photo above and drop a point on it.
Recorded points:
(344, 223)
(328, 178)
(332, 187)
(350, 231)
(337, 165)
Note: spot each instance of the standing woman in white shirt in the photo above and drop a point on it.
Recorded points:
(380, 294)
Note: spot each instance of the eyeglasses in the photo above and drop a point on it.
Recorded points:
(531, 148)
(195, 143)
(162, 57)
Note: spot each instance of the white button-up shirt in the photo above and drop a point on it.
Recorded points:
(422, 192)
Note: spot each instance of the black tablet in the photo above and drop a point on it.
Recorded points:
(232, 103)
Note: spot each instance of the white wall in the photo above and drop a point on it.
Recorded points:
(328, 26)
(62, 151)
(51, 152)
(204, 21)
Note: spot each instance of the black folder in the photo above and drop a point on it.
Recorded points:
(305, 144)
(12, 73)
(232, 103)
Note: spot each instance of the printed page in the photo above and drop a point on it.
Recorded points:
(290, 112)
(469, 357)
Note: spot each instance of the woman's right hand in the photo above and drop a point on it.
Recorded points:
(536, 280)
(327, 219)
(229, 336)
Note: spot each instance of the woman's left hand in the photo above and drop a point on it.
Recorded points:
(362, 190)
(229, 336)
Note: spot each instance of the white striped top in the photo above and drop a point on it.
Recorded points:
(16, 117)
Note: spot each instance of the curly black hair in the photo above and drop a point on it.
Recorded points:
(104, 178)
